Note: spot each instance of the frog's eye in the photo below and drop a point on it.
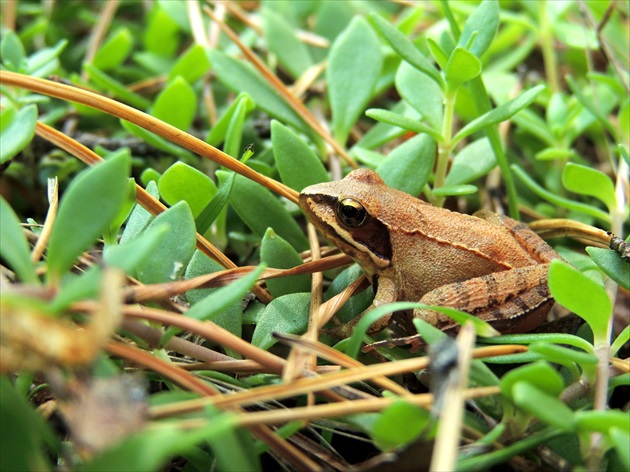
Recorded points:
(351, 212)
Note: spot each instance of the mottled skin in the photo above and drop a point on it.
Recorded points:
(489, 265)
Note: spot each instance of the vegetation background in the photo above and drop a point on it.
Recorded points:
(151, 154)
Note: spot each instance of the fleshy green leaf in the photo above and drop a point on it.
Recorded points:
(472, 162)
(229, 317)
(537, 374)
(422, 93)
(13, 53)
(354, 66)
(24, 432)
(239, 76)
(559, 201)
(15, 248)
(18, 129)
(297, 164)
(454, 190)
(406, 49)
(260, 209)
(387, 431)
(403, 122)
(109, 84)
(409, 166)
(220, 300)
(580, 294)
(500, 113)
(160, 34)
(611, 263)
(588, 181)
(219, 130)
(292, 53)
(139, 218)
(87, 208)
(482, 25)
(114, 51)
(462, 66)
(183, 182)
(176, 104)
(287, 314)
(277, 253)
(169, 260)
(191, 65)
(543, 406)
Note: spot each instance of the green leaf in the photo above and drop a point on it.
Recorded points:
(455, 190)
(298, 165)
(228, 316)
(480, 27)
(239, 76)
(292, 53)
(603, 421)
(559, 201)
(45, 61)
(543, 406)
(438, 53)
(213, 209)
(219, 131)
(111, 234)
(12, 51)
(588, 181)
(611, 263)
(473, 161)
(462, 66)
(224, 298)
(191, 65)
(537, 374)
(580, 294)
(354, 66)
(114, 51)
(87, 208)
(286, 314)
(409, 166)
(160, 34)
(119, 90)
(500, 113)
(387, 432)
(620, 438)
(139, 218)
(169, 260)
(183, 182)
(131, 254)
(618, 343)
(277, 253)
(260, 209)
(421, 93)
(176, 104)
(24, 432)
(15, 249)
(406, 49)
(18, 130)
(401, 121)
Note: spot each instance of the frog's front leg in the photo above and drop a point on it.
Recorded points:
(385, 293)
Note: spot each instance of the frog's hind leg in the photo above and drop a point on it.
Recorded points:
(515, 300)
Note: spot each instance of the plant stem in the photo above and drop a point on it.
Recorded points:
(549, 55)
(445, 147)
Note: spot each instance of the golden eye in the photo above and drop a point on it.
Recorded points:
(351, 212)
